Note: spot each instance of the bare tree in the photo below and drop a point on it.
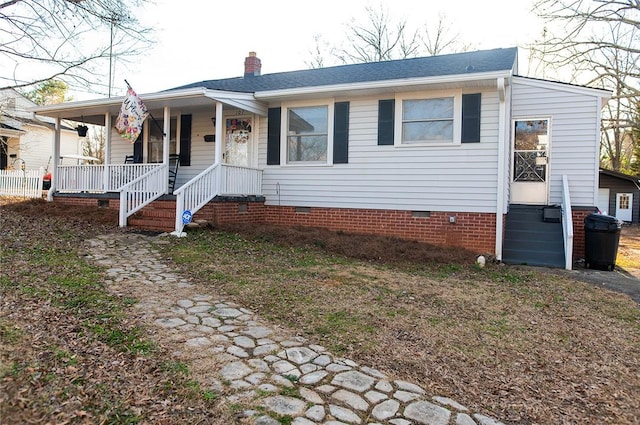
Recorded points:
(439, 39)
(598, 42)
(378, 39)
(94, 144)
(319, 52)
(72, 40)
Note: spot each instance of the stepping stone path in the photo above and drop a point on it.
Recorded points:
(232, 351)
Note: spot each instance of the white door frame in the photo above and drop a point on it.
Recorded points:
(530, 167)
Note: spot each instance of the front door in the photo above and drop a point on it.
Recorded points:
(624, 201)
(237, 141)
(529, 182)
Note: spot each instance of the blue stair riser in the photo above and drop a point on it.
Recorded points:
(528, 239)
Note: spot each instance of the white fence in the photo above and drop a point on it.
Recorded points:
(21, 183)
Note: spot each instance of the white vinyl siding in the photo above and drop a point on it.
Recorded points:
(425, 178)
(575, 135)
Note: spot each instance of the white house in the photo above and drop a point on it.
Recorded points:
(26, 140)
(453, 150)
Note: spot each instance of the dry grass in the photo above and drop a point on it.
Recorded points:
(629, 250)
(526, 347)
(69, 350)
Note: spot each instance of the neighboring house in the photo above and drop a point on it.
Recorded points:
(27, 140)
(451, 150)
(619, 195)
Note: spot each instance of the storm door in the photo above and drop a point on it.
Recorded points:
(530, 162)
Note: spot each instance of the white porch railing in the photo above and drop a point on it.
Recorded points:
(91, 178)
(80, 178)
(143, 190)
(21, 183)
(121, 174)
(218, 179)
(240, 181)
(567, 224)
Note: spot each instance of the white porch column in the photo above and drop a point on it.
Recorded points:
(107, 150)
(166, 129)
(219, 141)
(55, 149)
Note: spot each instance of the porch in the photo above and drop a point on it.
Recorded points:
(208, 131)
(137, 186)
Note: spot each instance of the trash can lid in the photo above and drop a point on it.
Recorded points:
(601, 218)
(602, 222)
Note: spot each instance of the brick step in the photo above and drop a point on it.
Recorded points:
(154, 225)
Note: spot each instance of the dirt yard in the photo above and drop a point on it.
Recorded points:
(532, 348)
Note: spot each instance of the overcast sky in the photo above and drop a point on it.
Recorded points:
(203, 39)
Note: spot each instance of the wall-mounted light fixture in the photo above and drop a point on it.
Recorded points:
(211, 137)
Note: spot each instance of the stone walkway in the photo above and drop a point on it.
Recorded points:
(232, 351)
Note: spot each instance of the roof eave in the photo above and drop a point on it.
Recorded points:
(402, 84)
(171, 98)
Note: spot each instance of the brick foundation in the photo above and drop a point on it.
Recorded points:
(578, 216)
(474, 231)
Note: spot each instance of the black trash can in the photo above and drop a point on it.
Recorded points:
(601, 238)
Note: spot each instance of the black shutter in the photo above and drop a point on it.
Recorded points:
(137, 148)
(185, 140)
(386, 119)
(341, 133)
(273, 136)
(471, 118)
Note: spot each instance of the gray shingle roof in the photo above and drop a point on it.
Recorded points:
(431, 66)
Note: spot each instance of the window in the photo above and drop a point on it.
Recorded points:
(428, 120)
(311, 134)
(155, 143)
(307, 134)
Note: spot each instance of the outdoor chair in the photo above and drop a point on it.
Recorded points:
(174, 164)
(129, 159)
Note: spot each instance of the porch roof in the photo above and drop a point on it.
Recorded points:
(93, 111)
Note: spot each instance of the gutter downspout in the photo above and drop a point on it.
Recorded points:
(502, 119)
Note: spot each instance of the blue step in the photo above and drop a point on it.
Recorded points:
(530, 240)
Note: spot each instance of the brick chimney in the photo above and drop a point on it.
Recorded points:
(252, 65)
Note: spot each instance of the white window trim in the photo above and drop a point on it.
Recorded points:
(284, 130)
(457, 118)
